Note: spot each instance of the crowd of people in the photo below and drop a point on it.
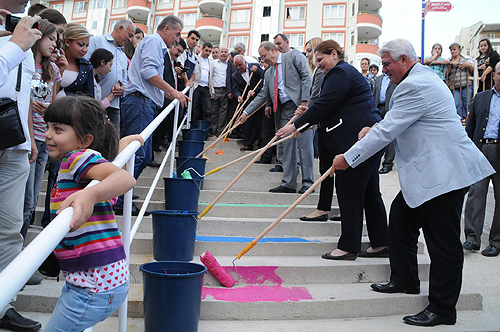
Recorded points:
(79, 93)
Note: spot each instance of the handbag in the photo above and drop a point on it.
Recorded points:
(11, 128)
(50, 267)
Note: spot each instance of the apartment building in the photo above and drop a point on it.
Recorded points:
(355, 24)
(469, 37)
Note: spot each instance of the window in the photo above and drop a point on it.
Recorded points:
(264, 37)
(112, 25)
(57, 6)
(267, 11)
(158, 20)
(80, 6)
(490, 35)
(164, 1)
(352, 38)
(240, 16)
(237, 39)
(337, 36)
(296, 13)
(296, 40)
(100, 4)
(188, 19)
(94, 25)
(353, 9)
(334, 11)
(119, 4)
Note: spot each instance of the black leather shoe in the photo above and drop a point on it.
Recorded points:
(336, 217)
(428, 318)
(323, 217)
(135, 211)
(247, 148)
(347, 257)
(134, 197)
(261, 161)
(470, 246)
(385, 170)
(391, 287)
(304, 189)
(154, 164)
(281, 189)
(13, 321)
(381, 253)
(491, 251)
(277, 168)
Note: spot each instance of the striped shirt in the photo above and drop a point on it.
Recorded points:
(97, 242)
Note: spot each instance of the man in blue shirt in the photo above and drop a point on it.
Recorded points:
(147, 89)
(482, 128)
(114, 42)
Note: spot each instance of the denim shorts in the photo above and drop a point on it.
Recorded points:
(80, 308)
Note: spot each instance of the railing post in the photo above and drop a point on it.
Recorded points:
(174, 140)
(190, 109)
(127, 222)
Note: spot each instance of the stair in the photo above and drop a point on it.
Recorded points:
(283, 278)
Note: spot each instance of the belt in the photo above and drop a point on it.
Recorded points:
(381, 104)
(220, 87)
(138, 94)
(488, 141)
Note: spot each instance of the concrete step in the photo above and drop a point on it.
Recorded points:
(270, 302)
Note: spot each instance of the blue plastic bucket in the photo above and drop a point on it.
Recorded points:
(198, 164)
(193, 134)
(203, 125)
(181, 194)
(190, 148)
(174, 235)
(172, 296)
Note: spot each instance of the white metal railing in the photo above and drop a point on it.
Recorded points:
(18, 272)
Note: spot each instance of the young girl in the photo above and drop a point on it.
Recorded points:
(92, 255)
(486, 62)
(102, 60)
(44, 87)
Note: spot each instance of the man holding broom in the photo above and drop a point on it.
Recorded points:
(286, 84)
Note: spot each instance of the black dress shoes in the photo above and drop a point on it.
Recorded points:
(470, 246)
(391, 287)
(323, 217)
(304, 189)
(385, 170)
(336, 217)
(381, 253)
(135, 211)
(154, 164)
(281, 189)
(350, 256)
(277, 168)
(247, 148)
(13, 321)
(262, 161)
(491, 251)
(428, 318)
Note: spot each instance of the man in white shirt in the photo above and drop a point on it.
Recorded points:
(201, 97)
(218, 70)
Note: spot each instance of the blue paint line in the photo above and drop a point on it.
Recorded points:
(248, 239)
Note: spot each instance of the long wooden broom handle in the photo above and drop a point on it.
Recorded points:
(284, 214)
(238, 111)
(209, 207)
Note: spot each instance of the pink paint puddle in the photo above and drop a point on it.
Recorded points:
(257, 283)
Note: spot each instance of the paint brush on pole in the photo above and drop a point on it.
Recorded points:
(254, 159)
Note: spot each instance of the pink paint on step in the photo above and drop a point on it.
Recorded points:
(257, 293)
(255, 275)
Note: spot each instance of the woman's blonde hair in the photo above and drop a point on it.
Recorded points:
(75, 31)
(313, 42)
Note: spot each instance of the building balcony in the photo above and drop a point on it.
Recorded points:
(211, 7)
(369, 25)
(367, 48)
(369, 5)
(139, 9)
(210, 28)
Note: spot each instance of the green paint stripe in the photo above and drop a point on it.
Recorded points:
(245, 205)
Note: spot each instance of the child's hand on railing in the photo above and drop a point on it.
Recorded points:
(129, 139)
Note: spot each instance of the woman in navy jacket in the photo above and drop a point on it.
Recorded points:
(78, 76)
(344, 107)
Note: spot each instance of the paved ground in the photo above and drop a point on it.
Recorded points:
(481, 274)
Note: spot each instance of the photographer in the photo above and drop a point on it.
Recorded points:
(14, 160)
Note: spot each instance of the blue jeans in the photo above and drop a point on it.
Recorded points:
(461, 104)
(138, 112)
(79, 308)
(34, 184)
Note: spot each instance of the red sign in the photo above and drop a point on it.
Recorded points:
(440, 6)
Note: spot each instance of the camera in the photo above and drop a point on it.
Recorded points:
(11, 23)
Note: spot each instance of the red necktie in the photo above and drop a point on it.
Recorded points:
(275, 101)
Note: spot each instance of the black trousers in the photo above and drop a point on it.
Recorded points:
(325, 161)
(252, 128)
(358, 189)
(202, 103)
(439, 219)
(268, 131)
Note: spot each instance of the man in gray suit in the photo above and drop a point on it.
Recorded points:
(436, 164)
(293, 79)
(382, 94)
(482, 127)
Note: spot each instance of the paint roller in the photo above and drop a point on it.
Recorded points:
(216, 269)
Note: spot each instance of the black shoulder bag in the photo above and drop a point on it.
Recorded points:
(11, 128)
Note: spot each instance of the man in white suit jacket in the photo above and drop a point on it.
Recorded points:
(436, 164)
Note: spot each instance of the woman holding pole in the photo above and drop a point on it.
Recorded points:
(344, 107)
